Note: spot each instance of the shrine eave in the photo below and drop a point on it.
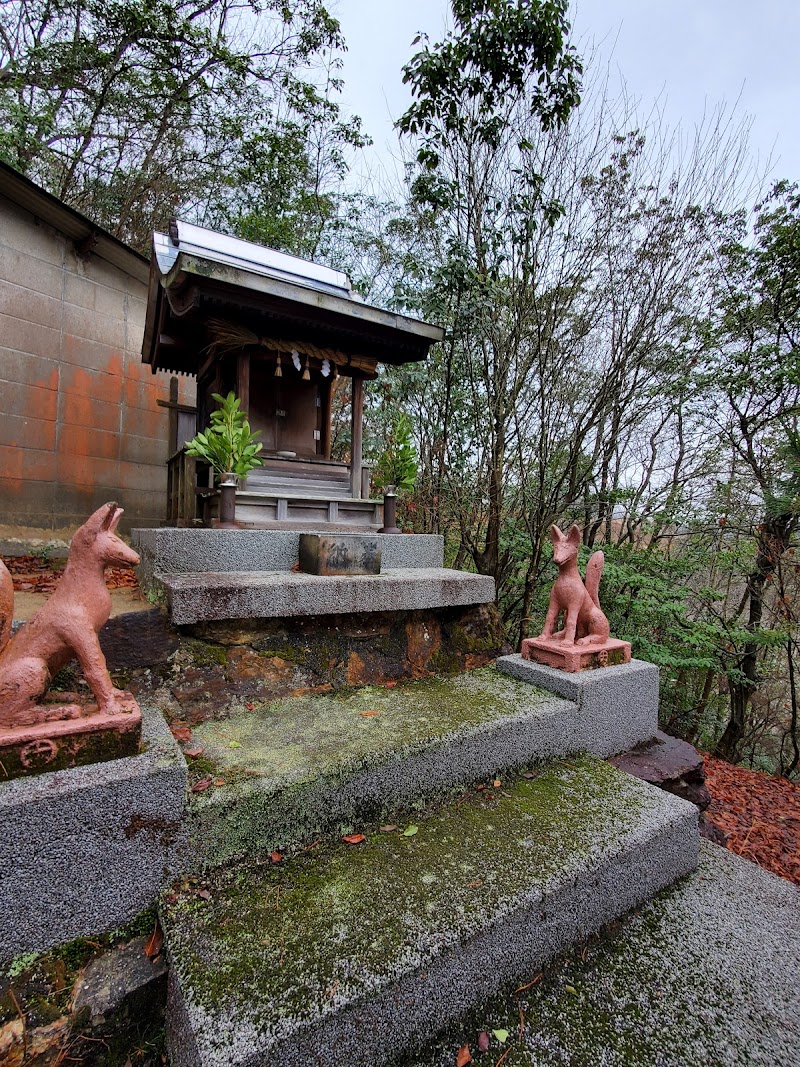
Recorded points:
(272, 293)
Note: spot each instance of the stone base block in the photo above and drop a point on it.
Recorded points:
(85, 850)
(573, 658)
(70, 736)
(620, 702)
(339, 554)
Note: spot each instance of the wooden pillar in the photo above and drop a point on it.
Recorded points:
(326, 415)
(357, 431)
(172, 432)
(243, 380)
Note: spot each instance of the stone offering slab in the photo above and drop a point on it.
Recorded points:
(203, 596)
(339, 554)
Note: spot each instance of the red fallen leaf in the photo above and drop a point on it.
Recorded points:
(181, 733)
(483, 1041)
(203, 894)
(198, 787)
(193, 753)
(463, 1057)
(295, 567)
(389, 685)
(368, 714)
(170, 898)
(480, 787)
(354, 839)
(154, 942)
(276, 857)
(219, 781)
(476, 884)
(250, 707)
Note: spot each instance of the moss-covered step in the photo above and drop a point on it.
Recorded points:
(350, 953)
(294, 768)
(706, 973)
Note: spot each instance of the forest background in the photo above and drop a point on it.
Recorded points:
(621, 302)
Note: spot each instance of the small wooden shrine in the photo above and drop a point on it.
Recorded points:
(285, 334)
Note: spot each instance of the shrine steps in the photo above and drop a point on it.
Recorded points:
(293, 769)
(352, 953)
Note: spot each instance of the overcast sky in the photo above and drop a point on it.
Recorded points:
(692, 54)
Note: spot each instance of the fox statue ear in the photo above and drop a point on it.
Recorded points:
(556, 534)
(108, 522)
(574, 535)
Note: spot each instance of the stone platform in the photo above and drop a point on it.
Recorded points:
(350, 953)
(84, 850)
(172, 550)
(576, 657)
(206, 596)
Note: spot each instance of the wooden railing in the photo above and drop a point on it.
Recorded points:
(185, 501)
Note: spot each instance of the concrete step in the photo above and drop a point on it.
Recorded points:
(299, 767)
(353, 953)
(706, 973)
(203, 596)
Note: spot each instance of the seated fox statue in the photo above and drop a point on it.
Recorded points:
(65, 628)
(585, 640)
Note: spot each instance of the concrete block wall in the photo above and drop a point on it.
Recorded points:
(80, 421)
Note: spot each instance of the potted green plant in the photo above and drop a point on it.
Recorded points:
(230, 447)
(396, 469)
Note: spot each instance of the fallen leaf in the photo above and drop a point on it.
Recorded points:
(368, 714)
(203, 894)
(497, 783)
(476, 884)
(198, 787)
(501, 1035)
(154, 942)
(410, 831)
(354, 839)
(483, 1041)
(276, 857)
(193, 753)
(234, 744)
(181, 733)
(571, 990)
(463, 1057)
(480, 787)
(219, 781)
(529, 774)
(250, 707)
(388, 829)
(389, 685)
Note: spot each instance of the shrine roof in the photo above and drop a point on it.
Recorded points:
(198, 274)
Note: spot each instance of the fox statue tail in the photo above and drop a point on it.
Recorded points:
(6, 605)
(594, 572)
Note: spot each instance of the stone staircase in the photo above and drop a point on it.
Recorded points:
(493, 838)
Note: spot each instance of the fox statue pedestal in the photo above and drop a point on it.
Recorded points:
(41, 733)
(572, 658)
